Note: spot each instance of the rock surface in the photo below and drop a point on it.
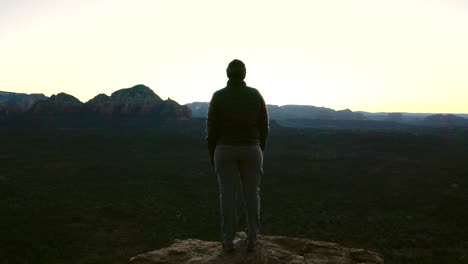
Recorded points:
(61, 103)
(137, 101)
(269, 249)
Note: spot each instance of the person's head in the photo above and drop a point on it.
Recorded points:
(236, 70)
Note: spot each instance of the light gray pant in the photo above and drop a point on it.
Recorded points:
(234, 165)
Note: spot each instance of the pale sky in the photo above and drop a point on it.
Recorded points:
(369, 55)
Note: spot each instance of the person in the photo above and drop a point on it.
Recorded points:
(237, 129)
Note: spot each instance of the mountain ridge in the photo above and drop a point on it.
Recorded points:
(323, 117)
(140, 101)
(19, 102)
(136, 101)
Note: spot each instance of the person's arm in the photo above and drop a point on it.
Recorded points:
(263, 123)
(212, 128)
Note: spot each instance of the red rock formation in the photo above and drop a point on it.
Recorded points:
(172, 110)
(101, 104)
(137, 101)
(59, 104)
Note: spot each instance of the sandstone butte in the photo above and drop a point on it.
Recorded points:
(269, 249)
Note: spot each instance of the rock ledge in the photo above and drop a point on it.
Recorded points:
(270, 249)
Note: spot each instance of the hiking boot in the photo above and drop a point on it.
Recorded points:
(251, 245)
(229, 247)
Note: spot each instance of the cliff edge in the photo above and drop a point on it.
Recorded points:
(269, 249)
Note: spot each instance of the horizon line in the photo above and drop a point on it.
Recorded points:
(279, 105)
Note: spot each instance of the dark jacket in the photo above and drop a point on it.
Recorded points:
(237, 115)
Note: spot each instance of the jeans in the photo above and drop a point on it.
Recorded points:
(234, 165)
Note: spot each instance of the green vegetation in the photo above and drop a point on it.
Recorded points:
(101, 194)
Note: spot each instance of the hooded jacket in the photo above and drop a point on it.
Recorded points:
(237, 115)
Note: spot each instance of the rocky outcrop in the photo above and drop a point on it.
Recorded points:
(60, 104)
(172, 110)
(138, 94)
(101, 104)
(137, 101)
(269, 249)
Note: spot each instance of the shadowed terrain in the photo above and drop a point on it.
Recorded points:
(101, 192)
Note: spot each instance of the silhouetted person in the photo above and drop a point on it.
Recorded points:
(237, 129)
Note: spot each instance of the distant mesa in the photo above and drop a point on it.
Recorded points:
(321, 117)
(140, 101)
(300, 111)
(445, 120)
(19, 102)
(200, 110)
(269, 249)
(349, 115)
(395, 117)
(137, 101)
(138, 92)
